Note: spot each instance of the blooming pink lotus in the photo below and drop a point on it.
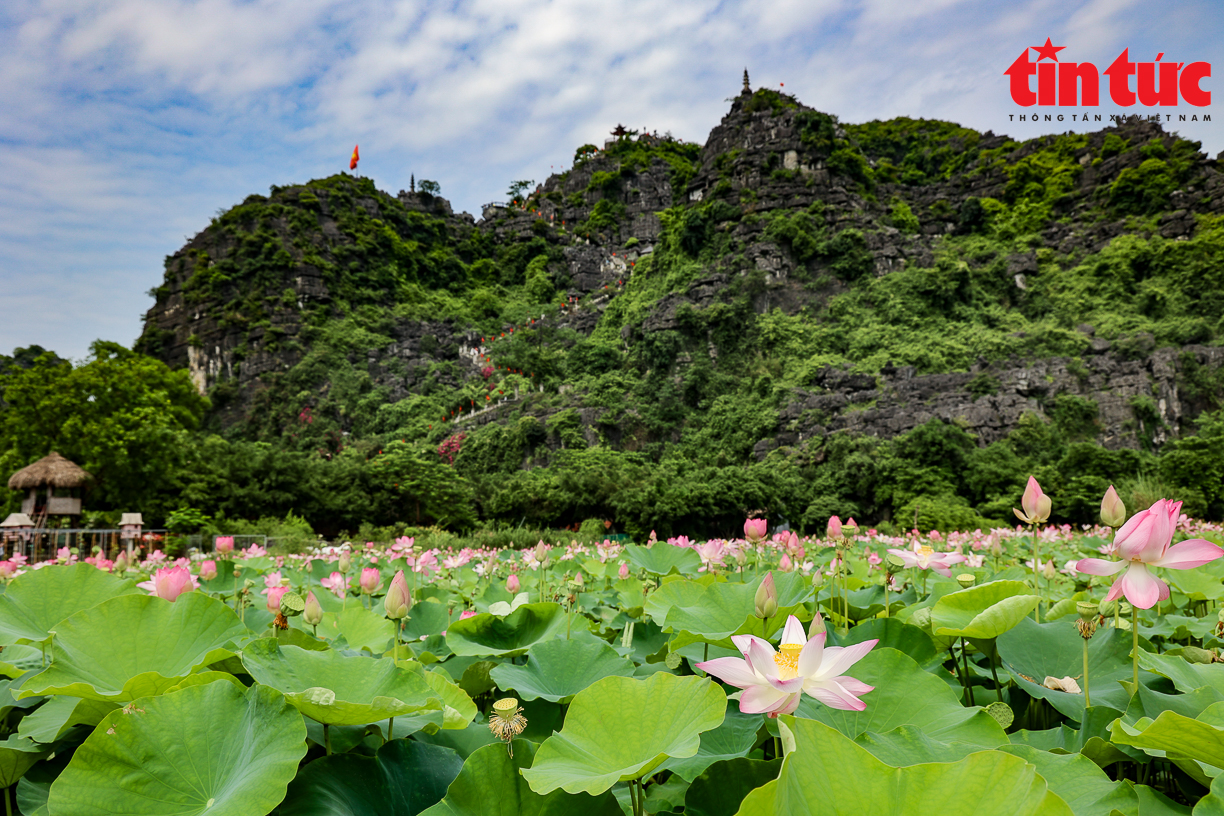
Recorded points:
(336, 583)
(208, 570)
(1143, 542)
(775, 682)
(1036, 504)
(923, 557)
(170, 582)
(274, 597)
(755, 528)
(224, 544)
(371, 578)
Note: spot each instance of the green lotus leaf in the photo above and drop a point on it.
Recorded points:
(907, 745)
(734, 738)
(1032, 651)
(680, 592)
(512, 635)
(864, 603)
(719, 789)
(211, 749)
(427, 618)
(728, 608)
(337, 689)
(663, 558)
(359, 627)
(1199, 738)
(1213, 803)
(892, 634)
(1091, 738)
(17, 755)
(457, 707)
(906, 695)
(403, 778)
(621, 728)
(1079, 782)
(828, 773)
(38, 600)
(983, 611)
(492, 784)
(559, 669)
(135, 646)
(16, 660)
(47, 722)
(1186, 676)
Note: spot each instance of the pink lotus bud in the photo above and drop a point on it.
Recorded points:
(370, 580)
(579, 581)
(121, 562)
(171, 582)
(398, 599)
(817, 627)
(755, 529)
(834, 529)
(208, 570)
(274, 598)
(224, 544)
(766, 600)
(313, 613)
(1035, 503)
(1113, 511)
(785, 564)
(346, 562)
(512, 584)
(623, 572)
(541, 552)
(468, 613)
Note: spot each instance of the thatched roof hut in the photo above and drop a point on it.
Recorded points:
(53, 471)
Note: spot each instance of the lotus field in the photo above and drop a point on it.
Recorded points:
(1033, 670)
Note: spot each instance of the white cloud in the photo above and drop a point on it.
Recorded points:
(127, 123)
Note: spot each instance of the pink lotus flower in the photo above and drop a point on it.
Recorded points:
(623, 571)
(834, 528)
(208, 570)
(775, 682)
(1035, 503)
(336, 583)
(313, 613)
(1143, 542)
(8, 569)
(274, 597)
(370, 579)
(224, 544)
(398, 599)
(711, 553)
(468, 613)
(785, 564)
(755, 528)
(427, 563)
(923, 557)
(170, 582)
(512, 584)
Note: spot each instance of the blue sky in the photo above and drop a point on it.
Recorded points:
(126, 124)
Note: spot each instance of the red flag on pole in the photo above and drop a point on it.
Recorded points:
(356, 158)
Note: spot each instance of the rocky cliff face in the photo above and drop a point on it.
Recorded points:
(249, 297)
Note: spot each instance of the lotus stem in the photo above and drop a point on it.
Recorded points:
(886, 577)
(1036, 572)
(777, 747)
(391, 729)
(1135, 645)
(1087, 699)
(327, 738)
(8, 803)
(968, 685)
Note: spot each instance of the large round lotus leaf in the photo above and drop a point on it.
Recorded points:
(906, 695)
(983, 611)
(17, 660)
(135, 646)
(734, 738)
(490, 784)
(337, 689)
(678, 592)
(403, 779)
(457, 707)
(663, 558)
(621, 728)
(359, 627)
(1186, 676)
(428, 618)
(513, 635)
(1032, 652)
(719, 790)
(212, 749)
(828, 773)
(1079, 782)
(46, 723)
(728, 608)
(891, 634)
(558, 669)
(38, 600)
(1200, 738)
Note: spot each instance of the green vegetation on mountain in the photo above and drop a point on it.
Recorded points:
(330, 320)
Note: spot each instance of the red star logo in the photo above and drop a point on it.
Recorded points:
(1048, 50)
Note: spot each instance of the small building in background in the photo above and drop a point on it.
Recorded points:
(54, 486)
